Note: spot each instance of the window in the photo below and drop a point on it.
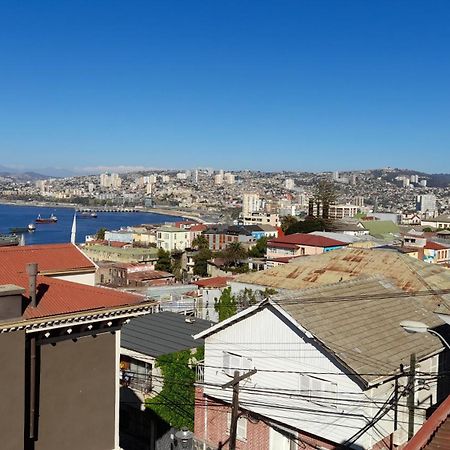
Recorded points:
(318, 391)
(232, 362)
(241, 433)
(281, 440)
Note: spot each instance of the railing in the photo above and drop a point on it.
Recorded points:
(200, 372)
(140, 383)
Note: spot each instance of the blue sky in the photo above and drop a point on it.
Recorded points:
(272, 85)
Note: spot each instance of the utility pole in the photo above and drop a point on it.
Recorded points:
(411, 400)
(235, 404)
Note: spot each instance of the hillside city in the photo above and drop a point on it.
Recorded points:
(322, 250)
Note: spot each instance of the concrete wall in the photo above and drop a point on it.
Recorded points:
(77, 395)
(12, 376)
(81, 278)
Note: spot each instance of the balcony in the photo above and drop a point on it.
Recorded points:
(200, 372)
(138, 382)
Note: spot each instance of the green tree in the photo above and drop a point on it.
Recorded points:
(234, 253)
(226, 306)
(175, 402)
(101, 233)
(325, 194)
(259, 249)
(164, 262)
(287, 221)
(201, 262)
(200, 242)
(308, 226)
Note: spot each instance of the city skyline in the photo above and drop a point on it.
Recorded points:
(308, 86)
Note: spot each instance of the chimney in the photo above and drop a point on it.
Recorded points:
(32, 270)
(11, 301)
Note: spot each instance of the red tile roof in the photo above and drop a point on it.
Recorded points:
(215, 282)
(307, 240)
(56, 296)
(430, 245)
(435, 432)
(51, 258)
(198, 227)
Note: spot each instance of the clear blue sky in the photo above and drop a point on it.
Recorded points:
(304, 85)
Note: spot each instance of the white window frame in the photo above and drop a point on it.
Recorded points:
(241, 431)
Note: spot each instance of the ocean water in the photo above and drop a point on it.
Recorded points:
(20, 216)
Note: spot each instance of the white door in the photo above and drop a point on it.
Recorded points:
(278, 441)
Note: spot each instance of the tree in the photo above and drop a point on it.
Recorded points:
(201, 262)
(259, 249)
(234, 253)
(164, 262)
(308, 226)
(200, 242)
(100, 235)
(287, 221)
(325, 195)
(226, 306)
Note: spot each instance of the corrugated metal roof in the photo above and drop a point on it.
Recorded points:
(407, 273)
(162, 333)
(359, 322)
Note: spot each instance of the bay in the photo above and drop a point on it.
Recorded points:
(12, 216)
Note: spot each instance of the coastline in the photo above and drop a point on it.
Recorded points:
(161, 211)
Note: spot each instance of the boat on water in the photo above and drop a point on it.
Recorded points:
(51, 219)
(19, 230)
(9, 240)
(87, 215)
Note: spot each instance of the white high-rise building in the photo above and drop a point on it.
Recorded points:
(105, 180)
(289, 183)
(116, 181)
(251, 203)
(229, 178)
(426, 203)
(335, 176)
(218, 179)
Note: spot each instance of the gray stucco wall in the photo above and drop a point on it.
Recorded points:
(77, 395)
(12, 375)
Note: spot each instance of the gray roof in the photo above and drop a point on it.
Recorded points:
(162, 333)
(359, 322)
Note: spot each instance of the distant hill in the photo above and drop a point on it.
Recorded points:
(441, 180)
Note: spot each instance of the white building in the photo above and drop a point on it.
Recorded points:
(426, 203)
(315, 381)
(342, 211)
(172, 238)
(289, 183)
(229, 178)
(251, 203)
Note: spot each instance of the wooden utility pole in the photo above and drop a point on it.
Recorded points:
(235, 404)
(411, 400)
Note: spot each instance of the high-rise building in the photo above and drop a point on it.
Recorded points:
(229, 178)
(251, 203)
(426, 203)
(289, 183)
(218, 179)
(335, 176)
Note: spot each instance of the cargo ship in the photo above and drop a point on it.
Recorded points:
(51, 219)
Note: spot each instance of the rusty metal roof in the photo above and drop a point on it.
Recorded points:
(406, 272)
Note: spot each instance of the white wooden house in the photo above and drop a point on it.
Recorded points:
(327, 359)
